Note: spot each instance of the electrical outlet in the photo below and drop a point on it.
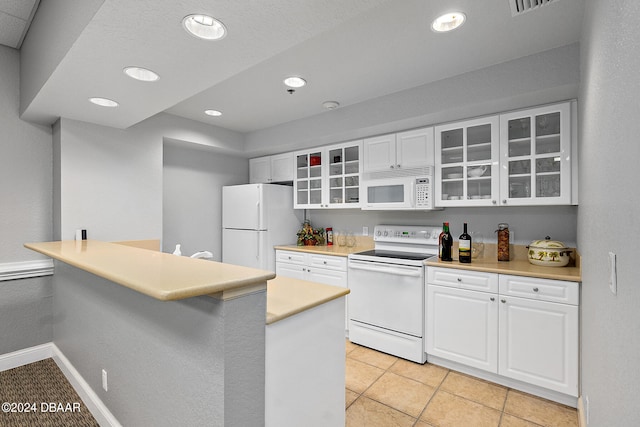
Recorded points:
(613, 277)
(365, 231)
(104, 380)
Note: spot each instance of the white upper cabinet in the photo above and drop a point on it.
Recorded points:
(328, 177)
(525, 157)
(267, 169)
(536, 156)
(467, 154)
(403, 150)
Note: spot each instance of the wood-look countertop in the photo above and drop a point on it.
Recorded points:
(287, 296)
(156, 274)
(519, 265)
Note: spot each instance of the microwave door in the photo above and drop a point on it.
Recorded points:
(388, 194)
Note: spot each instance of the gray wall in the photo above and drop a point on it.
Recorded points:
(169, 363)
(525, 223)
(192, 196)
(111, 179)
(25, 214)
(608, 214)
(537, 79)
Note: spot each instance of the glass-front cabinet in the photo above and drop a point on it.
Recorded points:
(328, 177)
(467, 155)
(535, 156)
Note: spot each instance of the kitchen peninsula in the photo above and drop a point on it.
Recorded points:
(182, 341)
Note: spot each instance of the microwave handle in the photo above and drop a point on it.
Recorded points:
(413, 193)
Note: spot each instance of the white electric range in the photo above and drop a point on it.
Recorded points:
(386, 303)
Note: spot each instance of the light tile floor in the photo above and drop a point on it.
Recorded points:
(386, 391)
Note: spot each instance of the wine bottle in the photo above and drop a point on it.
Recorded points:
(464, 246)
(447, 243)
(444, 224)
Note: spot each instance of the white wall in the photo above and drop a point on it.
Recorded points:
(609, 206)
(111, 179)
(192, 196)
(25, 214)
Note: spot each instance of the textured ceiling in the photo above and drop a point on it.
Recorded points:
(15, 18)
(349, 51)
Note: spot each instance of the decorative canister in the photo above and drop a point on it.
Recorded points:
(503, 242)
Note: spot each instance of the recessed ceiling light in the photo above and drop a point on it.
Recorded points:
(448, 21)
(214, 113)
(142, 74)
(204, 27)
(104, 102)
(295, 82)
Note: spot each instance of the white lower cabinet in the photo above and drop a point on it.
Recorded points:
(326, 269)
(531, 337)
(462, 326)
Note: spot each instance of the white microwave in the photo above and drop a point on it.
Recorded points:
(393, 192)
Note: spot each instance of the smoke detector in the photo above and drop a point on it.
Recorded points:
(331, 105)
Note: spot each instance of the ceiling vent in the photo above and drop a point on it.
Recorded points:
(518, 7)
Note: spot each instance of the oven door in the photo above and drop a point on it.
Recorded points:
(392, 193)
(388, 296)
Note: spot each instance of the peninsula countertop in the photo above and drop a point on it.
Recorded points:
(159, 275)
(287, 296)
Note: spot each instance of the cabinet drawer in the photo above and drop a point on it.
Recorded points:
(328, 261)
(291, 257)
(463, 279)
(540, 289)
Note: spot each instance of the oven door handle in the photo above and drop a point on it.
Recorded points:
(399, 270)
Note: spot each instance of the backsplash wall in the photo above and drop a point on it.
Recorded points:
(526, 223)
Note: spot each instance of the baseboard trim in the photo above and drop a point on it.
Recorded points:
(98, 409)
(24, 357)
(582, 416)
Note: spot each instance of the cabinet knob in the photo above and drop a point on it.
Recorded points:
(398, 166)
(391, 166)
(459, 279)
(492, 299)
(494, 202)
(504, 201)
(535, 289)
(503, 301)
(308, 270)
(324, 262)
(304, 269)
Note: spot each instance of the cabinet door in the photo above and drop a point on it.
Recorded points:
(539, 343)
(307, 184)
(467, 155)
(260, 170)
(415, 148)
(282, 167)
(380, 153)
(343, 175)
(290, 270)
(328, 277)
(462, 326)
(535, 156)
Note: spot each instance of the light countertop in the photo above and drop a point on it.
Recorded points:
(287, 296)
(517, 266)
(156, 274)
(363, 243)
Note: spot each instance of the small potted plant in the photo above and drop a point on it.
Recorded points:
(309, 236)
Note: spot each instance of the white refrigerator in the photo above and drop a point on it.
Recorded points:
(255, 218)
